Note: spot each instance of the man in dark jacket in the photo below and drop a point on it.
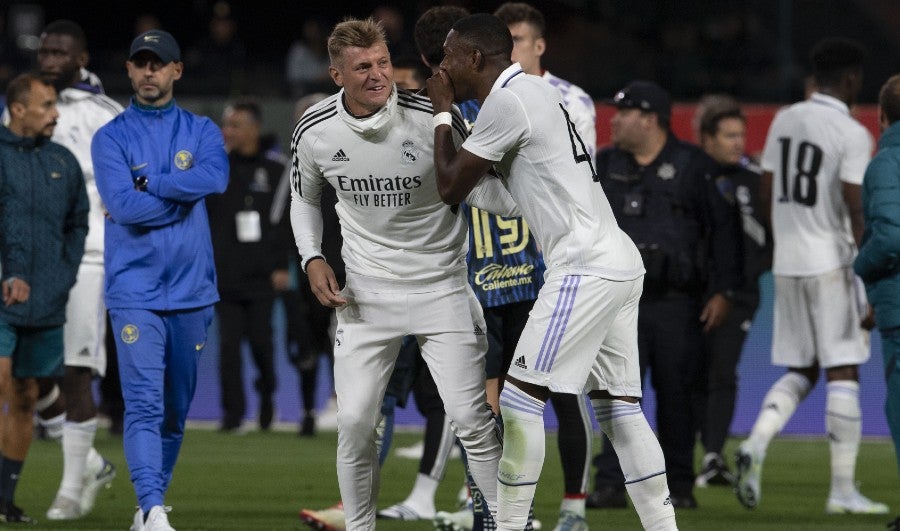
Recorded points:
(722, 132)
(248, 252)
(664, 195)
(43, 225)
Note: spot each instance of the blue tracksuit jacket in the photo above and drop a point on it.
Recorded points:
(158, 250)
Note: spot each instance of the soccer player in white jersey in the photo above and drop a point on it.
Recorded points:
(404, 251)
(813, 162)
(527, 26)
(581, 335)
(82, 111)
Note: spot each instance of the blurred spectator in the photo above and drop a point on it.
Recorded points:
(146, 22)
(409, 72)
(392, 19)
(306, 67)
(722, 131)
(13, 58)
(219, 58)
(248, 261)
(309, 324)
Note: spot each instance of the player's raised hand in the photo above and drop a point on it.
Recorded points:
(323, 284)
(440, 91)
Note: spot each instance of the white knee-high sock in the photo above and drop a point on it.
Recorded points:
(523, 456)
(778, 406)
(77, 440)
(641, 459)
(843, 420)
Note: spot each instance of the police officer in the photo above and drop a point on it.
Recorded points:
(722, 131)
(665, 195)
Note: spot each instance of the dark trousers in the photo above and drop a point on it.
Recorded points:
(669, 341)
(718, 370)
(250, 318)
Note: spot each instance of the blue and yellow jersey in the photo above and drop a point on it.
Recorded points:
(505, 265)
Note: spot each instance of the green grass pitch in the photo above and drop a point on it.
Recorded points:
(259, 481)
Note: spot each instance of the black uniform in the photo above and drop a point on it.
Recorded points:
(244, 270)
(689, 238)
(724, 344)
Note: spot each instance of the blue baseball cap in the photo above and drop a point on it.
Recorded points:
(160, 42)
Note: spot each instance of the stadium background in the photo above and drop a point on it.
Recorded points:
(753, 50)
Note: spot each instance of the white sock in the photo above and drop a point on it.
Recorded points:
(54, 425)
(843, 421)
(573, 505)
(523, 456)
(641, 459)
(93, 464)
(77, 440)
(421, 499)
(778, 406)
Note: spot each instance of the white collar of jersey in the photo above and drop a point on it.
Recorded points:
(70, 94)
(831, 101)
(372, 123)
(511, 71)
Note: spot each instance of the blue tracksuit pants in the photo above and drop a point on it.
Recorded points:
(158, 353)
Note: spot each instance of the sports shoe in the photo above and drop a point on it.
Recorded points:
(606, 498)
(137, 523)
(855, 503)
(570, 521)
(12, 514)
(158, 519)
(93, 482)
(749, 471)
(461, 520)
(64, 508)
(714, 471)
(331, 519)
(401, 511)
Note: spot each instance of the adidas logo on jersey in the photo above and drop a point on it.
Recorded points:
(520, 362)
(478, 331)
(340, 156)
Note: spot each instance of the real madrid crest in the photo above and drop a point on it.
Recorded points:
(409, 152)
(184, 159)
(666, 171)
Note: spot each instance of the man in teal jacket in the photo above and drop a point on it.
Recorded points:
(878, 261)
(43, 224)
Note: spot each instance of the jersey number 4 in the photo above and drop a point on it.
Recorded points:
(583, 155)
(798, 176)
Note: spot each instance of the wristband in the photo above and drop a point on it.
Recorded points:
(305, 263)
(442, 118)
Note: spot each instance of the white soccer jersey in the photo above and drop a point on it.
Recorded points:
(581, 110)
(811, 148)
(522, 126)
(81, 114)
(393, 221)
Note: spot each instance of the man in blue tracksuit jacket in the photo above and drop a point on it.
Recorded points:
(154, 164)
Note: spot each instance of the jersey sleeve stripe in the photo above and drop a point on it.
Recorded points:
(303, 125)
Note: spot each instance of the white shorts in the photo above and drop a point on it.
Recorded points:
(84, 334)
(447, 320)
(581, 336)
(817, 319)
